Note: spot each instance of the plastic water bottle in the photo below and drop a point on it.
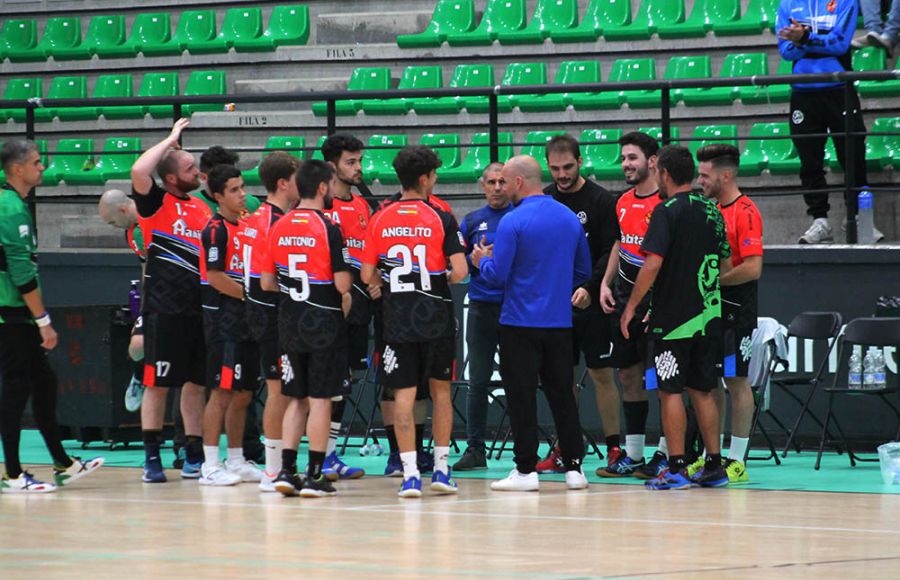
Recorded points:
(865, 232)
(879, 371)
(134, 299)
(371, 450)
(869, 369)
(854, 380)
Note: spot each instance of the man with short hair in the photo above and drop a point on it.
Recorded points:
(174, 354)
(596, 210)
(684, 250)
(408, 246)
(26, 332)
(483, 319)
(718, 170)
(209, 159)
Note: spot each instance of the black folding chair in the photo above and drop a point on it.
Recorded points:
(862, 332)
(759, 398)
(369, 378)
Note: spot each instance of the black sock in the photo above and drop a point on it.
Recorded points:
(289, 460)
(392, 438)
(676, 463)
(636, 417)
(152, 441)
(337, 410)
(713, 461)
(420, 435)
(612, 441)
(193, 448)
(316, 460)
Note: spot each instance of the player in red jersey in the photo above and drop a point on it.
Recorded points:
(718, 171)
(174, 353)
(408, 245)
(276, 171)
(306, 262)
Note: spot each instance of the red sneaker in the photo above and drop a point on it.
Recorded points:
(553, 463)
(613, 455)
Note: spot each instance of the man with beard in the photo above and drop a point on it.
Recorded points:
(213, 157)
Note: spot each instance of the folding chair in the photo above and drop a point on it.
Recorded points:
(862, 332)
(761, 394)
(369, 378)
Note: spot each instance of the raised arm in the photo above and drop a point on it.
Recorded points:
(143, 168)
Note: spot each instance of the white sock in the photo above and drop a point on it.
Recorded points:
(332, 438)
(738, 447)
(211, 454)
(235, 454)
(273, 455)
(441, 457)
(634, 446)
(663, 447)
(410, 468)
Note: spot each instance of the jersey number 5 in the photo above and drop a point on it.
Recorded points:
(295, 273)
(405, 255)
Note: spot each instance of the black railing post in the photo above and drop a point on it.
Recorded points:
(850, 193)
(31, 202)
(493, 127)
(332, 116)
(666, 103)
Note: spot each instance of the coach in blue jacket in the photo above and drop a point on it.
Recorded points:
(539, 256)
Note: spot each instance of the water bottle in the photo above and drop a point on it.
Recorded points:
(134, 300)
(865, 231)
(854, 380)
(371, 450)
(869, 369)
(878, 371)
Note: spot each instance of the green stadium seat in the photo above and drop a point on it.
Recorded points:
(641, 69)
(774, 93)
(499, 16)
(196, 32)
(656, 133)
(760, 14)
(106, 86)
(478, 156)
(288, 26)
(18, 39)
(317, 152)
(706, 15)
(570, 72)
(362, 79)
(549, 16)
(465, 75)
(238, 23)
(687, 67)
(734, 65)
(708, 134)
(204, 82)
(649, 17)
(119, 154)
(151, 35)
(623, 70)
(379, 156)
(603, 157)
(449, 17)
(446, 145)
(122, 86)
(66, 88)
(105, 37)
(62, 39)
(293, 145)
(535, 142)
(599, 15)
(874, 59)
(72, 157)
(414, 77)
(779, 156)
(517, 74)
(883, 151)
(19, 89)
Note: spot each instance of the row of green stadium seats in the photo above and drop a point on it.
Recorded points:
(73, 161)
(151, 34)
(581, 72)
(454, 21)
(164, 84)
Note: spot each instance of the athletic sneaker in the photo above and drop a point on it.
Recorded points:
(267, 482)
(474, 459)
(76, 471)
(669, 480)
(553, 463)
(443, 483)
(695, 469)
(134, 393)
(819, 232)
(737, 472)
(180, 457)
(215, 474)
(394, 467)
(25, 483)
(575, 479)
(319, 487)
(335, 469)
(657, 465)
(516, 481)
(288, 484)
(153, 471)
(191, 470)
(716, 477)
(247, 470)
(411, 488)
(425, 462)
(624, 467)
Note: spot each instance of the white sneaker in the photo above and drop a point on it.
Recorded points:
(267, 482)
(247, 470)
(517, 482)
(76, 471)
(883, 41)
(134, 394)
(877, 234)
(25, 483)
(215, 474)
(576, 480)
(861, 41)
(820, 232)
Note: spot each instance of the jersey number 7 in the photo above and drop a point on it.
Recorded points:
(405, 256)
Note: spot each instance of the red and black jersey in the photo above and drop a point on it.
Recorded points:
(633, 217)
(352, 216)
(171, 226)
(223, 251)
(305, 251)
(744, 227)
(410, 242)
(260, 307)
(432, 199)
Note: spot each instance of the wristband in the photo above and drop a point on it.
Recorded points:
(43, 320)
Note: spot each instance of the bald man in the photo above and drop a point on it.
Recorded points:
(119, 211)
(539, 256)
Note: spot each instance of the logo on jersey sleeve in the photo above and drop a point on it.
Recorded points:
(23, 231)
(482, 227)
(462, 240)
(582, 217)
(213, 254)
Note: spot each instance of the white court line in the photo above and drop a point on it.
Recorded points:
(498, 497)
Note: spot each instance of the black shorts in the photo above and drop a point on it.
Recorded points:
(737, 346)
(358, 346)
(270, 360)
(412, 364)
(174, 350)
(319, 374)
(591, 336)
(233, 366)
(674, 365)
(628, 352)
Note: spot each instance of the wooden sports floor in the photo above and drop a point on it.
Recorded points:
(110, 525)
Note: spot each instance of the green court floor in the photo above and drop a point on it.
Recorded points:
(796, 472)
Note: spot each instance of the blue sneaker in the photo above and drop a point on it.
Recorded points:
(153, 470)
(657, 465)
(335, 469)
(442, 483)
(425, 462)
(717, 477)
(411, 488)
(394, 467)
(191, 470)
(622, 467)
(669, 480)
